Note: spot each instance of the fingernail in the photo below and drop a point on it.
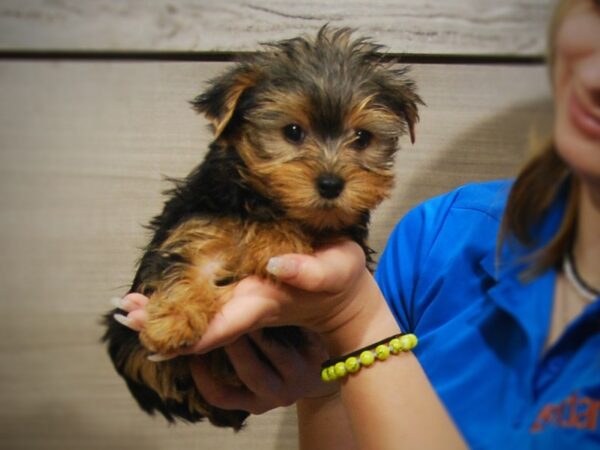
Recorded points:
(204, 350)
(123, 320)
(158, 357)
(117, 302)
(282, 267)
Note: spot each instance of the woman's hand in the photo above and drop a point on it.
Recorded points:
(272, 375)
(323, 292)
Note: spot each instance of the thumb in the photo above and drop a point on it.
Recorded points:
(329, 270)
(237, 317)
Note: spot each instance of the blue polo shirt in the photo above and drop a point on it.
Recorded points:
(482, 331)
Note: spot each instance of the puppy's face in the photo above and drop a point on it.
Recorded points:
(316, 122)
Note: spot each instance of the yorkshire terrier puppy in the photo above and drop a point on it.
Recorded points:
(305, 134)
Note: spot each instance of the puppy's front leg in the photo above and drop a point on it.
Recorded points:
(189, 291)
(262, 241)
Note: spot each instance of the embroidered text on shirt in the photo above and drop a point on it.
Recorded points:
(574, 412)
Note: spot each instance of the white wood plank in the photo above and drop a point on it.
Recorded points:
(510, 27)
(83, 148)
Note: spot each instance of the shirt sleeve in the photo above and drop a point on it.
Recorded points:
(404, 257)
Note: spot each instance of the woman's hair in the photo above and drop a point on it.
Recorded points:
(537, 186)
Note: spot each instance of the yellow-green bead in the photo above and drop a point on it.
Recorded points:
(413, 341)
(352, 364)
(405, 343)
(408, 342)
(383, 352)
(396, 345)
(331, 373)
(325, 375)
(367, 358)
(340, 370)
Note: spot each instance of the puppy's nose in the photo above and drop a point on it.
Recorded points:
(330, 186)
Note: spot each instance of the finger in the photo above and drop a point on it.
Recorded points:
(284, 359)
(161, 357)
(135, 320)
(315, 349)
(130, 302)
(138, 318)
(299, 368)
(220, 394)
(256, 374)
(256, 287)
(135, 300)
(237, 317)
(329, 270)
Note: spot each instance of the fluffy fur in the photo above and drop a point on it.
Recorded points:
(305, 134)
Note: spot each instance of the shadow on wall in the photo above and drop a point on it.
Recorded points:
(63, 426)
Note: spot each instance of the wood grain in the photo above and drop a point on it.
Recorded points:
(83, 151)
(472, 27)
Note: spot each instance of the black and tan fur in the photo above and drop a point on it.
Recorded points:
(305, 134)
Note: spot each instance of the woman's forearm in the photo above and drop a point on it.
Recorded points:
(391, 404)
(323, 424)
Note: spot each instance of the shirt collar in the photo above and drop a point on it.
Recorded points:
(525, 300)
(512, 258)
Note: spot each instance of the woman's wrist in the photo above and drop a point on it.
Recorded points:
(368, 320)
(323, 424)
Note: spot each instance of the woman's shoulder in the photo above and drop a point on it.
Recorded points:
(440, 243)
(462, 222)
(488, 198)
(477, 206)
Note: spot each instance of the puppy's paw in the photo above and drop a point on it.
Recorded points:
(171, 328)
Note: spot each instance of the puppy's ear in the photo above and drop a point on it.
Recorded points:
(399, 94)
(219, 102)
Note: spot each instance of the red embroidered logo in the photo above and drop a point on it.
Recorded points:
(573, 412)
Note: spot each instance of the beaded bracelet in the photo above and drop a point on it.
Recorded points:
(335, 369)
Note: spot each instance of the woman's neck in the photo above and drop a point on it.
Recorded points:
(586, 251)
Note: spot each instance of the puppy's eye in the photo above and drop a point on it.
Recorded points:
(293, 133)
(362, 139)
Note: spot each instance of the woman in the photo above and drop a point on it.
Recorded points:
(498, 280)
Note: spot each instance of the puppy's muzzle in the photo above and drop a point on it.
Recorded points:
(329, 185)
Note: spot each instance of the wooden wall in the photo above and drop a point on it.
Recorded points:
(93, 114)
